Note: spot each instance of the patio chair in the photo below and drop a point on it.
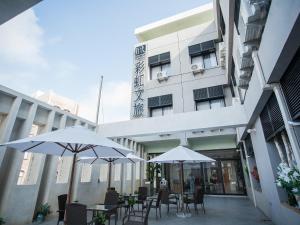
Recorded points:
(198, 198)
(112, 198)
(62, 199)
(166, 200)
(157, 204)
(142, 196)
(134, 219)
(76, 214)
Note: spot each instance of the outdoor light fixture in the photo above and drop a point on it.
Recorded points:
(249, 131)
(294, 124)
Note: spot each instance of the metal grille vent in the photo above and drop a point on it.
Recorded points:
(290, 84)
(160, 101)
(160, 59)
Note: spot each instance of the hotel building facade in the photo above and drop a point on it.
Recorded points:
(222, 79)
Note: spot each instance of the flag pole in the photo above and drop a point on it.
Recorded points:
(99, 98)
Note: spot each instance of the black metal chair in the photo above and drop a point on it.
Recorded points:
(112, 198)
(157, 204)
(198, 198)
(76, 214)
(135, 219)
(62, 199)
(142, 196)
(166, 200)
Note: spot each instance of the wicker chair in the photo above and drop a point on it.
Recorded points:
(134, 219)
(112, 198)
(166, 200)
(198, 198)
(62, 199)
(142, 196)
(76, 214)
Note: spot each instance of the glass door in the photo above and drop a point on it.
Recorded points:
(232, 177)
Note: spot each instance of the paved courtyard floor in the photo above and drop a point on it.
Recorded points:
(219, 211)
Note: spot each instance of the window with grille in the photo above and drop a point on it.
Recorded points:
(160, 105)
(209, 98)
(159, 63)
(204, 54)
(271, 118)
(290, 84)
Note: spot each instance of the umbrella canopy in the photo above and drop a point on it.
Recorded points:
(69, 141)
(130, 158)
(181, 154)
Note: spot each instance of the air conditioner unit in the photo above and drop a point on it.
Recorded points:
(222, 53)
(197, 68)
(162, 76)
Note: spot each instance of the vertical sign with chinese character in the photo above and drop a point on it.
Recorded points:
(138, 81)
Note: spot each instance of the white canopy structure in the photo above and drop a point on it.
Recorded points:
(130, 158)
(181, 155)
(72, 141)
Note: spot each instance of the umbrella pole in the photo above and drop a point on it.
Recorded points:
(109, 175)
(182, 185)
(71, 179)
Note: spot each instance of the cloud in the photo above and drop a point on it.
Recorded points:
(115, 102)
(21, 40)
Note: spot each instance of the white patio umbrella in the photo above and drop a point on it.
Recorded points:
(75, 141)
(181, 155)
(130, 158)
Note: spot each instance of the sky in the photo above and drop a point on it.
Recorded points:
(65, 46)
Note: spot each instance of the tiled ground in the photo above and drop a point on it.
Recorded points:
(219, 211)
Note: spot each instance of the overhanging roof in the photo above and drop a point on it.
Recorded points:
(227, 117)
(175, 23)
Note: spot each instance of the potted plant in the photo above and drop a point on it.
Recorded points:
(100, 219)
(131, 202)
(289, 179)
(152, 169)
(43, 212)
(2, 221)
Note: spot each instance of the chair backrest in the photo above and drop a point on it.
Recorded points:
(159, 197)
(76, 214)
(62, 199)
(142, 194)
(111, 198)
(199, 195)
(111, 189)
(165, 196)
(147, 212)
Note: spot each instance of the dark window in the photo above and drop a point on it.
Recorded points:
(208, 98)
(160, 105)
(159, 63)
(202, 48)
(290, 84)
(271, 118)
(232, 79)
(237, 14)
(160, 59)
(160, 101)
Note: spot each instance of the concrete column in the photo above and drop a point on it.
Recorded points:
(12, 159)
(133, 180)
(50, 165)
(286, 118)
(8, 125)
(249, 174)
(122, 177)
(47, 167)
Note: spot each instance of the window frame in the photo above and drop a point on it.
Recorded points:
(209, 101)
(162, 108)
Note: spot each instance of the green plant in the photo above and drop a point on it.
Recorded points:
(288, 179)
(100, 218)
(131, 201)
(44, 209)
(151, 170)
(2, 221)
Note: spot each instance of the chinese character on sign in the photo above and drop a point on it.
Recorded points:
(138, 81)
